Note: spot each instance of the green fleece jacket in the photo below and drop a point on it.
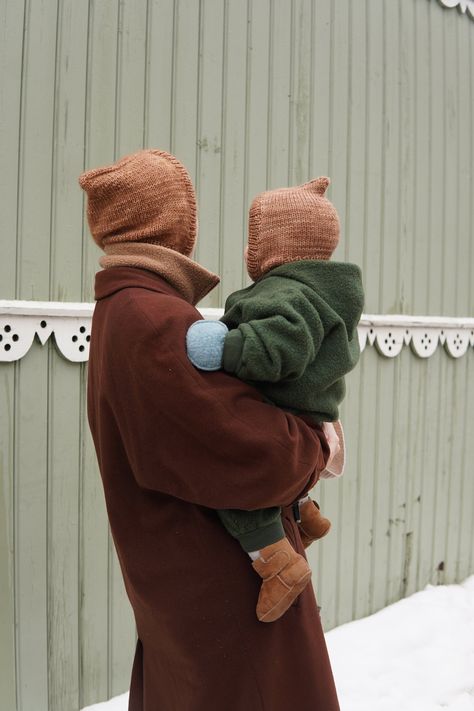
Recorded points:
(295, 332)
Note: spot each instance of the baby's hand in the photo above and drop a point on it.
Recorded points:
(333, 441)
(205, 344)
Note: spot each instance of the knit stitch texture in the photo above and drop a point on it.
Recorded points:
(291, 224)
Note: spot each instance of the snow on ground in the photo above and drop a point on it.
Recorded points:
(416, 655)
(119, 703)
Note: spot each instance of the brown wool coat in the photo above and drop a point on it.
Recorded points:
(173, 444)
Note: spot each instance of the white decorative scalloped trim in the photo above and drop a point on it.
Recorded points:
(423, 333)
(465, 6)
(21, 321)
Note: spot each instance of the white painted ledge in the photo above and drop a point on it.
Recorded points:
(21, 321)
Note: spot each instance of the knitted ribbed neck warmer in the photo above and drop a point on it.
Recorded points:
(189, 278)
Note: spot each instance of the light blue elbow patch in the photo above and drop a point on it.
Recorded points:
(205, 344)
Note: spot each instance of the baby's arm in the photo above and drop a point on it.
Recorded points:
(274, 346)
(272, 343)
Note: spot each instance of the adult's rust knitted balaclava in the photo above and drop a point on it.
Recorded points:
(291, 224)
(147, 196)
(142, 212)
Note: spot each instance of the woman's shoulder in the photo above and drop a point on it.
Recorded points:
(140, 313)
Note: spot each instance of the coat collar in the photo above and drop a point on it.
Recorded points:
(109, 281)
(190, 279)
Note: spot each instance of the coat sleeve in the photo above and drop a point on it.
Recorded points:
(277, 339)
(206, 438)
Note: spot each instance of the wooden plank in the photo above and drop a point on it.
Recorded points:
(427, 488)
(353, 235)
(321, 84)
(466, 547)
(100, 112)
(101, 67)
(464, 162)
(209, 137)
(436, 128)
(300, 106)
(63, 534)
(66, 281)
(466, 543)
(347, 521)
(257, 108)
(280, 88)
(159, 74)
(36, 150)
(449, 180)
(401, 461)
(422, 237)
(33, 268)
(130, 97)
(340, 113)
(323, 554)
(373, 174)
(390, 223)
(418, 382)
(387, 403)
(401, 469)
(457, 474)
(407, 40)
(186, 68)
(438, 293)
(369, 413)
(432, 464)
(441, 475)
(93, 566)
(416, 423)
(11, 57)
(455, 432)
(7, 537)
(31, 555)
(234, 215)
(68, 152)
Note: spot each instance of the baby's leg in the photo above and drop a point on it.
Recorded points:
(285, 573)
(254, 530)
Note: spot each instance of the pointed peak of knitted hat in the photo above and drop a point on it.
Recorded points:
(318, 185)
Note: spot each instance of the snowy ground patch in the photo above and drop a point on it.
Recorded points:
(416, 655)
(119, 703)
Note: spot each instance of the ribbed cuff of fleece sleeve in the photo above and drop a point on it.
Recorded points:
(233, 346)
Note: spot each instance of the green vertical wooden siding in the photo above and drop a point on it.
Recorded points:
(249, 94)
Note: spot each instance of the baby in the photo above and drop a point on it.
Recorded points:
(292, 334)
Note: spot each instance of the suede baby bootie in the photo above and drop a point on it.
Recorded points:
(313, 524)
(285, 573)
